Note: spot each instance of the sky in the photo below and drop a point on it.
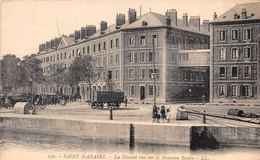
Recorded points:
(24, 24)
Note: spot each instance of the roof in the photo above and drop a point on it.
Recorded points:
(153, 20)
(253, 13)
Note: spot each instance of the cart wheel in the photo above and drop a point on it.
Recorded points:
(93, 105)
(43, 106)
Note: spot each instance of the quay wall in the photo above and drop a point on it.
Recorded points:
(189, 136)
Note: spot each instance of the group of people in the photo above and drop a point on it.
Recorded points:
(161, 113)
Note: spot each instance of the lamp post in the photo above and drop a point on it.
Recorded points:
(154, 74)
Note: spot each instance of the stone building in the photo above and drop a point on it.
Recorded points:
(235, 55)
(125, 50)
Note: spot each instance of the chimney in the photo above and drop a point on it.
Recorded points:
(131, 16)
(43, 46)
(48, 45)
(206, 24)
(90, 30)
(52, 43)
(244, 13)
(168, 21)
(103, 26)
(40, 47)
(195, 21)
(76, 35)
(185, 19)
(172, 13)
(120, 20)
(83, 32)
(215, 15)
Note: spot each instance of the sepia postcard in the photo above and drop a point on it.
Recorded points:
(130, 79)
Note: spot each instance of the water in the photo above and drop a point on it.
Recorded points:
(20, 145)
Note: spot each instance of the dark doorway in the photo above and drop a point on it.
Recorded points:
(142, 92)
(78, 91)
(61, 91)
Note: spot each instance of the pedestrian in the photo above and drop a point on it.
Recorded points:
(168, 114)
(203, 99)
(155, 112)
(126, 101)
(163, 113)
(158, 115)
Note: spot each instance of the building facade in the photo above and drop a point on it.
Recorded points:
(235, 55)
(125, 50)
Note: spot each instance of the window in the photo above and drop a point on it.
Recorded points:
(222, 90)
(87, 49)
(234, 72)
(172, 40)
(151, 90)
(104, 61)
(131, 89)
(142, 41)
(246, 90)
(156, 75)
(94, 48)
(117, 43)
(191, 43)
(222, 53)
(234, 90)
(173, 57)
(51, 58)
(142, 57)
(179, 42)
(247, 52)
(222, 72)
(61, 56)
(132, 57)
(142, 73)
(247, 34)
(116, 74)
(234, 53)
(111, 59)
(99, 61)
(117, 58)
(131, 40)
(198, 44)
(58, 57)
(186, 43)
(110, 75)
(83, 50)
(154, 37)
(73, 53)
(222, 35)
(104, 46)
(78, 52)
(247, 71)
(99, 46)
(111, 43)
(131, 73)
(234, 34)
(65, 55)
(152, 56)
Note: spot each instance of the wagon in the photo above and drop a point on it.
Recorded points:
(111, 98)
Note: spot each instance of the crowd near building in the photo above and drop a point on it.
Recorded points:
(218, 59)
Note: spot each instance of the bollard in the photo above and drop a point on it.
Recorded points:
(204, 117)
(111, 113)
(132, 136)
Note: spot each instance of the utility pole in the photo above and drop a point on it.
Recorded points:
(153, 75)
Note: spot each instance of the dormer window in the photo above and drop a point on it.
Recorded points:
(236, 16)
(144, 23)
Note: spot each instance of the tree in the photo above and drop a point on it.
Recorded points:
(12, 74)
(84, 69)
(33, 69)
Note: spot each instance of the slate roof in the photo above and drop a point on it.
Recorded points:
(153, 20)
(253, 13)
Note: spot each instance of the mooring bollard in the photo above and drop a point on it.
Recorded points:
(111, 113)
(204, 117)
(132, 136)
